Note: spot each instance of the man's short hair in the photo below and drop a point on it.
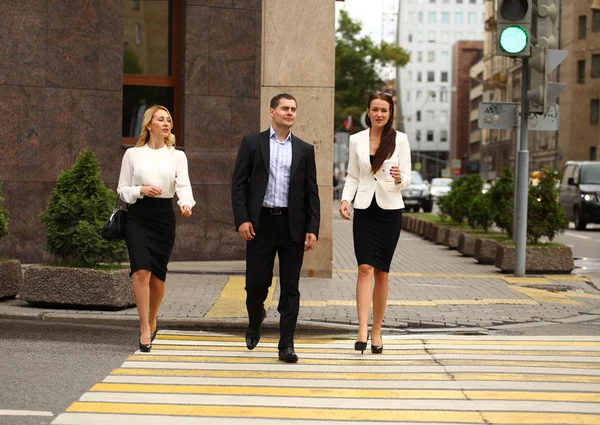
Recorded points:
(276, 99)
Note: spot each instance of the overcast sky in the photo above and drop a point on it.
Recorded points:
(368, 12)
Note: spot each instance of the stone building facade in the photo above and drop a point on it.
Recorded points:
(74, 75)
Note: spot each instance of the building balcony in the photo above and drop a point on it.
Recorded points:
(477, 91)
(475, 136)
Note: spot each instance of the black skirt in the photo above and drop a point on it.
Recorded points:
(376, 232)
(150, 235)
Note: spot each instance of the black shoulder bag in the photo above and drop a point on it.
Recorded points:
(114, 228)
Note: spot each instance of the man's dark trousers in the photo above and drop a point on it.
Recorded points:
(274, 237)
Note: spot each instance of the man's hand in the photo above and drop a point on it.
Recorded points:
(345, 210)
(150, 191)
(186, 210)
(309, 241)
(246, 231)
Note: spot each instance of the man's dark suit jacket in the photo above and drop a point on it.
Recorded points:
(251, 175)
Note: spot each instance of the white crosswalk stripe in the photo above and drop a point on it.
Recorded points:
(198, 377)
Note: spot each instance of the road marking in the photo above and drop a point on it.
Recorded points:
(526, 280)
(575, 235)
(8, 412)
(418, 380)
(542, 296)
(232, 300)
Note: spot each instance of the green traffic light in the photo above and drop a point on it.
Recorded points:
(514, 39)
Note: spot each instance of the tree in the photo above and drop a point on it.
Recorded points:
(545, 216)
(3, 216)
(357, 60)
(79, 205)
(501, 194)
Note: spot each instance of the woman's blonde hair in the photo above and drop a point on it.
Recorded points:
(145, 134)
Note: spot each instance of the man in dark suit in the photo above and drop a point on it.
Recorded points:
(276, 208)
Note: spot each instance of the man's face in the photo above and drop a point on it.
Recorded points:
(285, 113)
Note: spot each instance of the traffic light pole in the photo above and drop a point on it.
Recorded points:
(522, 177)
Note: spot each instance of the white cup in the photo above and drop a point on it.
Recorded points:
(387, 168)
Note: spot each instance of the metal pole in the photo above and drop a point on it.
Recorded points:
(522, 177)
(517, 148)
(400, 119)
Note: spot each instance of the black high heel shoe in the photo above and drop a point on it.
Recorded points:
(361, 346)
(145, 348)
(376, 349)
(153, 334)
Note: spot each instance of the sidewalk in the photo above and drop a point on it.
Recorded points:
(430, 286)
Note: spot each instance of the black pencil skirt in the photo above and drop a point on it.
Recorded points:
(150, 235)
(376, 232)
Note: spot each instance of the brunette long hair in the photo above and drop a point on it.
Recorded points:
(387, 145)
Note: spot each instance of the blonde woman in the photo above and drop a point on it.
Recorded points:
(151, 174)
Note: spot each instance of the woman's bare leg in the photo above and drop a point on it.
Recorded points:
(157, 292)
(363, 299)
(380, 296)
(141, 293)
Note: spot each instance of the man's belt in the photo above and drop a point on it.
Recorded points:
(275, 210)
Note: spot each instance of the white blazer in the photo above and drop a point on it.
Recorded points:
(360, 182)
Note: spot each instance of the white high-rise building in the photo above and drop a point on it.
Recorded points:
(428, 29)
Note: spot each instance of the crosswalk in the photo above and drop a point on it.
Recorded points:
(204, 378)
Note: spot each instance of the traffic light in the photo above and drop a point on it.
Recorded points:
(513, 25)
(544, 58)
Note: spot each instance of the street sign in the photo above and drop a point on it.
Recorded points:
(417, 166)
(445, 172)
(456, 164)
(497, 115)
(548, 121)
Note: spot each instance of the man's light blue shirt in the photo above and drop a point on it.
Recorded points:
(278, 186)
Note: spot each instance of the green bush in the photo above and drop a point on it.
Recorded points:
(501, 195)
(481, 212)
(447, 203)
(471, 189)
(78, 206)
(545, 216)
(3, 216)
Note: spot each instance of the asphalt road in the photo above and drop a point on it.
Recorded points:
(586, 248)
(44, 367)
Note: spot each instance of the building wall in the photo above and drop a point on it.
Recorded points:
(415, 37)
(464, 55)
(577, 134)
(61, 82)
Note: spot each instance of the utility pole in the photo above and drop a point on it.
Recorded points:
(400, 117)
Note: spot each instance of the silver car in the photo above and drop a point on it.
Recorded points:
(440, 187)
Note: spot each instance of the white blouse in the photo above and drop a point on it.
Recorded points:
(166, 168)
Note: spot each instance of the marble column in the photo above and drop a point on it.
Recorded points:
(298, 57)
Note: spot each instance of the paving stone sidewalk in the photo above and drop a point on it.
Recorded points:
(430, 286)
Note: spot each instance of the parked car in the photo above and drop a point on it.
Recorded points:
(440, 187)
(417, 195)
(578, 192)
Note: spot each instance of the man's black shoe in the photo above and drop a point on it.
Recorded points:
(287, 355)
(252, 338)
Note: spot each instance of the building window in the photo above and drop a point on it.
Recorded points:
(444, 36)
(150, 64)
(420, 17)
(444, 116)
(593, 153)
(418, 95)
(408, 96)
(430, 116)
(595, 109)
(419, 56)
(596, 23)
(430, 135)
(430, 76)
(443, 136)
(581, 72)
(444, 77)
(472, 18)
(419, 76)
(418, 136)
(445, 17)
(595, 66)
(432, 18)
(418, 116)
(431, 56)
(582, 26)
(459, 1)
(459, 18)
(443, 96)
(431, 37)
(472, 1)
(410, 38)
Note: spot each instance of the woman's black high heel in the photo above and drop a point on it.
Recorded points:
(145, 348)
(361, 346)
(153, 334)
(376, 349)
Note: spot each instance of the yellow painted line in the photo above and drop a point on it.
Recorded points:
(350, 393)
(504, 342)
(241, 340)
(421, 303)
(274, 360)
(567, 364)
(465, 276)
(526, 280)
(335, 414)
(232, 300)
(582, 295)
(567, 277)
(388, 350)
(546, 296)
(359, 376)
